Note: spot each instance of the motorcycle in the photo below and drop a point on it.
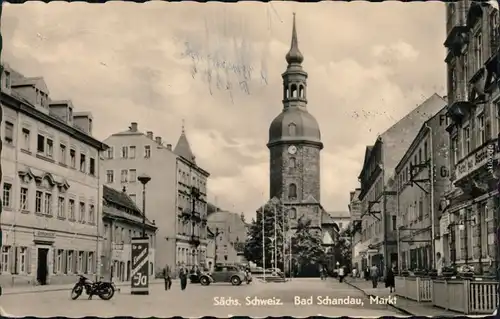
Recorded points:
(105, 290)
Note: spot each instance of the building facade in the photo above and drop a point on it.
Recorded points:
(470, 220)
(294, 145)
(422, 178)
(175, 195)
(231, 232)
(341, 219)
(122, 221)
(51, 186)
(378, 194)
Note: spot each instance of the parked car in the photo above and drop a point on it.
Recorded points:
(232, 274)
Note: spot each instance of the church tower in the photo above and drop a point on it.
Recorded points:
(295, 144)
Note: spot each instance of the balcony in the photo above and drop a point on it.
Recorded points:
(194, 240)
(195, 216)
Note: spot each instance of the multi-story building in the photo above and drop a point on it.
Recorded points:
(231, 233)
(378, 189)
(341, 219)
(51, 186)
(355, 227)
(175, 195)
(422, 178)
(122, 221)
(474, 112)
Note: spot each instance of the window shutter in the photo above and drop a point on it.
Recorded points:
(65, 261)
(18, 261)
(12, 259)
(75, 260)
(54, 261)
(85, 261)
(28, 260)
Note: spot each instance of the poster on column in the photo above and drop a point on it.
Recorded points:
(140, 266)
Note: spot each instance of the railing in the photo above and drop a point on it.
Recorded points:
(414, 288)
(466, 296)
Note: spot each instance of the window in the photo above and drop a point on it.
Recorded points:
(26, 139)
(340, 226)
(7, 193)
(133, 197)
(90, 263)
(72, 158)
(9, 133)
(5, 259)
(92, 167)
(292, 129)
(83, 163)
(479, 51)
(70, 262)
(132, 152)
(81, 217)
(125, 152)
(40, 144)
(110, 153)
(292, 163)
(71, 209)
(481, 130)
(22, 260)
(50, 148)
(38, 202)
(467, 141)
(7, 79)
(420, 156)
(59, 261)
(124, 175)
(394, 222)
(109, 176)
(132, 175)
(147, 151)
(91, 213)
(23, 205)
(420, 208)
(62, 153)
(466, 67)
(60, 207)
(79, 263)
(455, 150)
(292, 191)
(48, 204)
(425, 152)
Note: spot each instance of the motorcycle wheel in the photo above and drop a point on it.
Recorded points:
(107, 293)
(76, 292)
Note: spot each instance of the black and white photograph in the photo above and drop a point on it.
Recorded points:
(250, 159)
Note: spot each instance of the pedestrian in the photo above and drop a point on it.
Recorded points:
(341, 273)
(389, 280)
(167, 277)
(374, 275)
(354, 273)
(183, 274)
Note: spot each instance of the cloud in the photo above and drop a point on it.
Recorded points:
(219, 67)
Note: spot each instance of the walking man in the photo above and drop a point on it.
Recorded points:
(183, 274)
(374, 275)
(341, 273)
(167, 277)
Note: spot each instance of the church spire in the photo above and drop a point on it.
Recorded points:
(294, 55)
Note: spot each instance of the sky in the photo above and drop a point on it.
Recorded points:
(218, 67)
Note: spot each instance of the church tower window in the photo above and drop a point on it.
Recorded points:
(301, 91)
(293, 89)
(292, 191)
(292, 163)
(292, 129)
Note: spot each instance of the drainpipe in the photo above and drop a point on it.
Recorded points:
(431, 191)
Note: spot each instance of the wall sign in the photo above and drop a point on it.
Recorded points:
(476, 160)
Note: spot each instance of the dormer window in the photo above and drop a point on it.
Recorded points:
(38, 97)
(7, 79)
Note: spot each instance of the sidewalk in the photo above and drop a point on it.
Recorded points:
(407, 306)
(36, 289)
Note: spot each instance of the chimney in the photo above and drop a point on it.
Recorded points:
(149, 134)
(133, 126)
(169, 147)
(158, 140)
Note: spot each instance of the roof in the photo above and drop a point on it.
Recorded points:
(294, 124)
(183, 148)
(129, 208)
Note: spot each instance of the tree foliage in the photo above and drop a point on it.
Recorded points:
(342, 249)
(307, 244)
(271, 217)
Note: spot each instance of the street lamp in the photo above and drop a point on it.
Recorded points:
(144, 179)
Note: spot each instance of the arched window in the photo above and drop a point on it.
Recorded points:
(292, 213)
(292, 163)
(292, 191)
(293, 90)
(292, 129)
(285, 93)
(301, 91)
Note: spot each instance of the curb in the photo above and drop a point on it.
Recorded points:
(24, 292)
(406, 312)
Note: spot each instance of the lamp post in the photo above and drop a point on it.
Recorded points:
(144, 179)
(216, 235)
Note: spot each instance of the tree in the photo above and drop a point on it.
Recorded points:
(272, 213)
(342, 249)
(307, 246)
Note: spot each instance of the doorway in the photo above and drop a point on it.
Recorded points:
(42, 267)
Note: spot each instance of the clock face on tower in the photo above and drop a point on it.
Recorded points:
(292, 149)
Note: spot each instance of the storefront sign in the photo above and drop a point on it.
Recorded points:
(355, 210)
(140, 266)
(476, 160)
(45, 235)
